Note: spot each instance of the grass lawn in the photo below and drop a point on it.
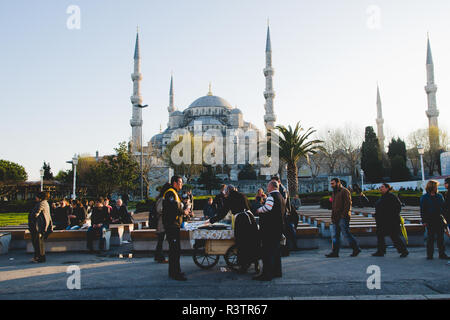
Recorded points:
(10, 219)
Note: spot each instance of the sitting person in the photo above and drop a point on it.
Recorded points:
(209, 210)
(100, 220)
(78, 218)
(62, 220)
(189, 213)
(123, 214)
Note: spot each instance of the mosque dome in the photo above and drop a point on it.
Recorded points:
(210, 101)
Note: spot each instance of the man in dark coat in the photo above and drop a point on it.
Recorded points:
(100, 220)
(62, 220)
(245, 228)
(387, 217)
(40, 226)
(123, 214)
(172, 218)
(271, 224)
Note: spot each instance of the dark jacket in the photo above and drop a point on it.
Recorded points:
(271, 216)
(235, 202)
(172, 211)
(431, 208)
(124, 216)
(80, 214)
(387, 213)
(62, 220)
(100, 215)
(341, 207)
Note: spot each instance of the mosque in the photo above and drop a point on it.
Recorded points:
(213, 112)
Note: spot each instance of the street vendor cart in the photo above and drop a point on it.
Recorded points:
(211, 243)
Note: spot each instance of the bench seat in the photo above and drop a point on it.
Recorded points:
(5, 239)
(67, 241)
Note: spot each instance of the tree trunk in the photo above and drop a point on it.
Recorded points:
(292, 178)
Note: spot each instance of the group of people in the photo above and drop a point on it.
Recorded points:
(96, 216)
(434, 209)
(253, 242)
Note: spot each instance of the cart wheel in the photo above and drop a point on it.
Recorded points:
(231, 257)
(203, 260)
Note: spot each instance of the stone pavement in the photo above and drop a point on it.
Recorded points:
(307, 275)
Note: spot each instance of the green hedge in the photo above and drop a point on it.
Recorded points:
(17, 206)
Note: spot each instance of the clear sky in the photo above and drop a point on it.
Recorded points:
(68, 91)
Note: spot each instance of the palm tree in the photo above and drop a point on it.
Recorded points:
(294, 145)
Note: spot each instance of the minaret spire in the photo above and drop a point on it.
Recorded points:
(431, 88)
(171, 107)
(269, 94)
(380, 121)
(136, 99)
(209, 90)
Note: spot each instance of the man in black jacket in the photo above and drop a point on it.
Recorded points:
(271, 225)
(172, 218)
(245, 228)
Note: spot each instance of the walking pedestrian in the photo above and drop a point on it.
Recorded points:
(340, 218)
(431, 210)
(387, 217)
(271, 227)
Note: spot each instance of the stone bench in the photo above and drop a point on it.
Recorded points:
(141, 224)
(117, 231)
(17, 241)
(67, 240)
(307, 237)
(146, 240)
(5, 239)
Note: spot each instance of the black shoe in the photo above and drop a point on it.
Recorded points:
(179, 277)
(404, 254)
(41, 259)
(378, 254)
(332, 255)
(444, 256)
(355, 252)
(262, 277)
(430, 258)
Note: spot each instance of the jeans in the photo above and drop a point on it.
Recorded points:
(342, 226)
(173, 238)
(73, 228)
(92, 234)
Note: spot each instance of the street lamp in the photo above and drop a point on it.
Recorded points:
(142, 155)
(42, 178)
(421, 151)
(362, 179)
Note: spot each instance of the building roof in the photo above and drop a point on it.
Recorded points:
(210, 101)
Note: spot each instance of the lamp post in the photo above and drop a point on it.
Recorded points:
(142, 156)
(362, 179)
(421, 151)
(42, 178)
(75, 162)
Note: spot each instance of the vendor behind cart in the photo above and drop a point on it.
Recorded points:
(245, 228)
